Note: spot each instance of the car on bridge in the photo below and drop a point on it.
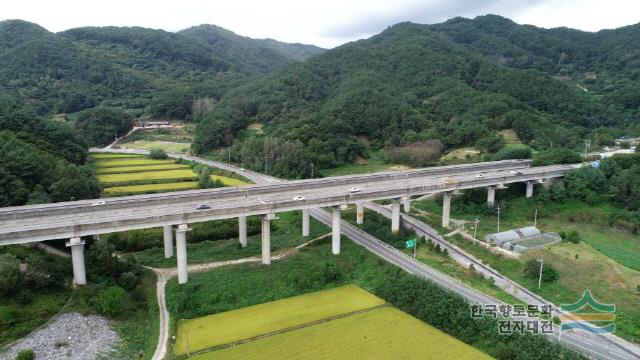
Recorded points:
(203, 207)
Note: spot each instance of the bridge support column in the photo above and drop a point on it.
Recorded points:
(529, 189)
(335, 231)
(77, 260)
(181, 252)
(305, 222)
(266, 238)
(446, 209)
(242, 230)
(359, 213)
(168, 241)
(395, 216)
(491, 195)
(406, 202)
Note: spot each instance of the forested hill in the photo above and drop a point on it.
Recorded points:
(606, 63)
(147, 71)
(410, 83)
(42, 160)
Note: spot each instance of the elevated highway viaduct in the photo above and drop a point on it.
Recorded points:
(73, 220)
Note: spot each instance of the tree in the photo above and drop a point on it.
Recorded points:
(532, 271)
(625, 187)
(102, 125)
(585, 183)
(522, 152)
(9, 274)
(112, 300)
(158, 154)
(490, 143)
(556, 156)
(204, 178)
(201, 106)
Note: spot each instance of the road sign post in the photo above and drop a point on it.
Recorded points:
(411, 244)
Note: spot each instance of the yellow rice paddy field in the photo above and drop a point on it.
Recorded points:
(134, 169)
(148, 175)
(130, 174)
(139, 189)
(228, 327)
(345, 323)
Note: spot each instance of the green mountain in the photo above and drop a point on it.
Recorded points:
(135, 68)
(450, 82)
(605, 63)
(42, 160)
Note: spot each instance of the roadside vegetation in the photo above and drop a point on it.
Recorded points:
(314, 268)
(216, 240)
(33, 288)
(600, 249)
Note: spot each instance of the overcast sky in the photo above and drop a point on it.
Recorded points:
(325, 23)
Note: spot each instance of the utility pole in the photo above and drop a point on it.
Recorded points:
(415, 245)
(541, 261)
(498, 208)
(229, 161)
(312, 170)
(266, 167)
(587, 145)
(475, 231)
(535, 218)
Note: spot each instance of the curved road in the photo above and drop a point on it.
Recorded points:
(607, 347)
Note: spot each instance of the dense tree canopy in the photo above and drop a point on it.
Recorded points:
(410, 83)
(101, 126)
(40, 160)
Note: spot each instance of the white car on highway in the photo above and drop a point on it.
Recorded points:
(479, 176)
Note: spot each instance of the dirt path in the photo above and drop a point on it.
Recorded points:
(164, 274)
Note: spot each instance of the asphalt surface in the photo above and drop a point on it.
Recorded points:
(71, 219)
(595, 346)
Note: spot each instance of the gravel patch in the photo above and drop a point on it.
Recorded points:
(69, 336)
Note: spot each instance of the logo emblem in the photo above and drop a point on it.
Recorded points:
(587, 314)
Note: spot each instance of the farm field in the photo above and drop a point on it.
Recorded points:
(139, 189)
(113, 156)
(130, 174)
(605, 261)
(168, 146)
(185, 174)
(140, 168)
(133, 161)
(249, 322)
(382, 333)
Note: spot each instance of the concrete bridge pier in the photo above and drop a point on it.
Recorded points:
(305, 222)
(359, 213)
(491, 195)
(266, 238)
(181, 252)
(529, 192)
(335, 231)
(168, 241)
(406, 202)
(77, 260)
(242, 229)
(395, 216)
(446, 209)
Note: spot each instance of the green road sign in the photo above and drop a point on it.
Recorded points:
(410, 244)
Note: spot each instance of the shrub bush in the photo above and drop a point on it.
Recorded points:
(532, 271)
(158, 154)
(27, 354)
(112, 300)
